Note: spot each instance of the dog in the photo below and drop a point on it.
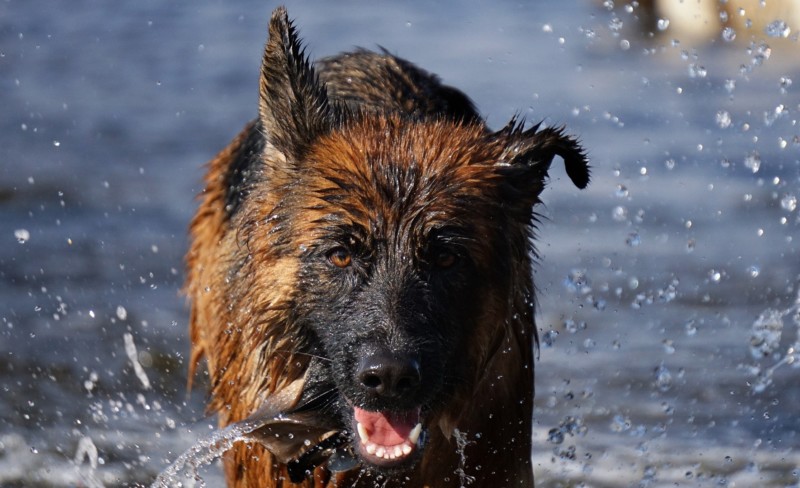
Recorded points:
(360, 273)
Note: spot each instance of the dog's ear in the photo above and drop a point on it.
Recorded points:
(526, 160)
(294, 107)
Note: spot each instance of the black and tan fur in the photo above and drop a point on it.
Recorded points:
(369, 208)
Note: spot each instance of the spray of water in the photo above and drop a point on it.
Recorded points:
(765, 338)
(87, 451)
(461, 444)
(184, 470)
(300, 437)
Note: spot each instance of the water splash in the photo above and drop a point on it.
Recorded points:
(461, 444)
(86, 450)
(201, 454)
(765, 340)
(302, 439)
(130, 350)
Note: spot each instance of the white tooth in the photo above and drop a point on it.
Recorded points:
(362, 432)
(413, 437)
(370, 447)
(398, 451)
(406, 449)
(380, 451)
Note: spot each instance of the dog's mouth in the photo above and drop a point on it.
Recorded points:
(304, 437)
(387, 439)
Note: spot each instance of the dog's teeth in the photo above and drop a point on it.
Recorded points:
(380, 451)
(398, 451)
(406, 449)
(370, 447)
(362, 432)
(413, 437)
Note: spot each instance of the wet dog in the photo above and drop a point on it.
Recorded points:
(360, 277)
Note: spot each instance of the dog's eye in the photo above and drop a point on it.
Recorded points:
(443, 259)
(340, 257)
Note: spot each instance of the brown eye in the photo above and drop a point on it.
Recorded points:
(340, 257)
(445, 259)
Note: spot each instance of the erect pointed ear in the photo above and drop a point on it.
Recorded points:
(528, 153)
(294, 107)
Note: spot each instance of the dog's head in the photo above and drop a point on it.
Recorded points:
(408, 242)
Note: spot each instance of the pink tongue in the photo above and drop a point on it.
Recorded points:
(387, 428)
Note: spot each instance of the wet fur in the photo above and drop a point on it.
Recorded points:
(366, 151)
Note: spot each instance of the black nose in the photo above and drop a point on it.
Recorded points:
(388, 375)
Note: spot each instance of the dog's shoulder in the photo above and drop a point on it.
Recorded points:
(364, 79)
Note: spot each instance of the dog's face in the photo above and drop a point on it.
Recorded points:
(408, 240)
(405, 256)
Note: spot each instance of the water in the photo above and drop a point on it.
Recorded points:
(651, 280)
(184, 470)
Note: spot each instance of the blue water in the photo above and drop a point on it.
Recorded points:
(650, 281)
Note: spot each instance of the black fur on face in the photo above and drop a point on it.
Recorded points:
(391, 298)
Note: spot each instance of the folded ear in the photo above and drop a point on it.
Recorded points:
(525, 162)
(294, 107)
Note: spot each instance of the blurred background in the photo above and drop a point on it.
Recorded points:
(668, 304)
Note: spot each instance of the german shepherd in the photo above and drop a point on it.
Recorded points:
(360, 277)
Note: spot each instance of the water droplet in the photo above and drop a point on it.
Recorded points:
(714, 275)
(690, 327)
(697, 71)
(789, 203)
(778, 28)
(753, 161)
(663, 378)
(633, 239)
(122, 314)
(620, 423)
(753, 271)
(22, 235)
(723, 119)
(785, 83)
(570, 326)
(622, 191)
(133, 356)
(555, 436)
(728, 34)
(577, 282)
(662, 24)
(619, 213)
(762, 53)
